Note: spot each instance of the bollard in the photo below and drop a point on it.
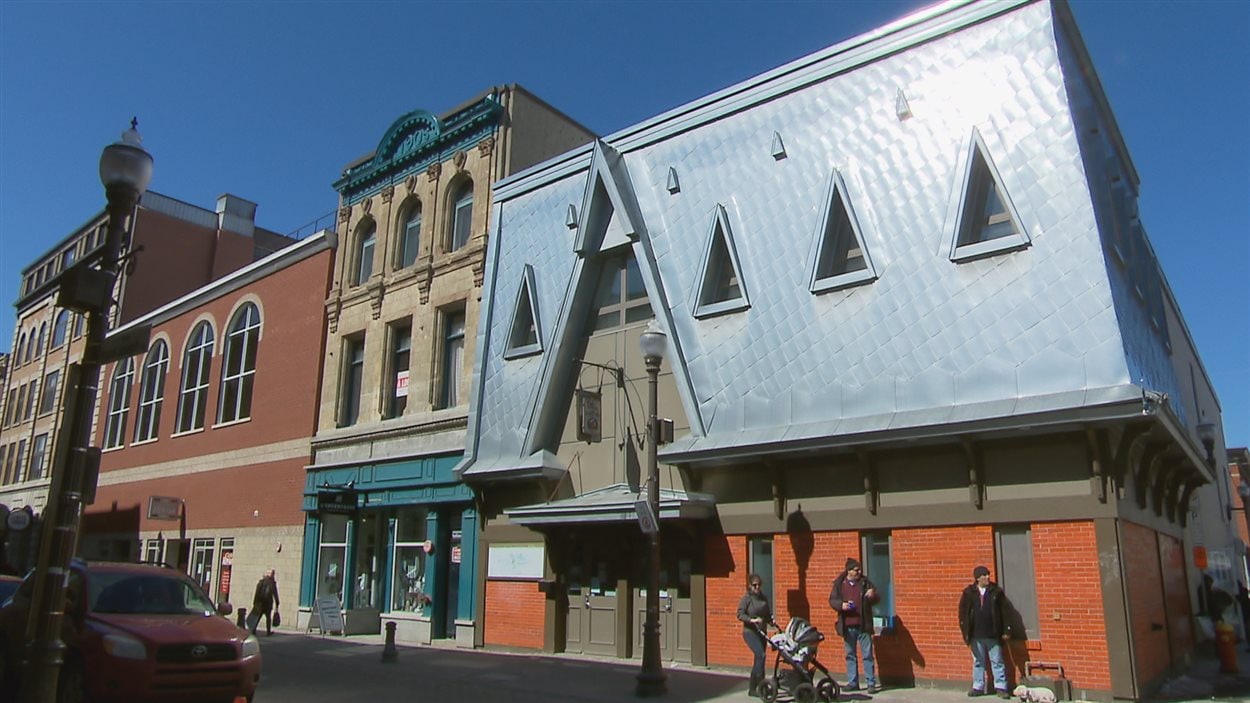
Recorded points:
(1226, 647)
(243, 618)
(389, 654)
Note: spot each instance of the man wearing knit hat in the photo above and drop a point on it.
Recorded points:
(983, 622)
(852, 597)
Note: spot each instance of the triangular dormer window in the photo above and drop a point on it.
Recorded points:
(841, 258)
(988, 222)
(524, 333)
(721, 288)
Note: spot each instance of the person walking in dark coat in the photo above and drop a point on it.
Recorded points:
(755, 613)
(983, 623)
(264, 601)
(852, 597)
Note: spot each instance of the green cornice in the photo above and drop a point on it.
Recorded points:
(415, 140)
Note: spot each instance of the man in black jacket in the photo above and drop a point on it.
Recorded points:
(852, 597)
(983, 622)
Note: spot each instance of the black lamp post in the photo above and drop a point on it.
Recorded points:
(651, 677)
(125, 169)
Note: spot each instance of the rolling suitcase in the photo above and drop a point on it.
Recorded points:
(1035, 676)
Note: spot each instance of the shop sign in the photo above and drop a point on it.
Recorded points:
(401, 384)
(163, 507)
(589, 415)
(337, 502)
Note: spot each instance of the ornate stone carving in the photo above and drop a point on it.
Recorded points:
(423, 284)
(479, 271)
(366, 205)
(434, 171)
(333, 307)
(345, 213)
(411, 183)
(486, 146)
(459, 159)
(388, 193)
(376, 290)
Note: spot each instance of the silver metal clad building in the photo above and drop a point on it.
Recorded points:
(908, 298)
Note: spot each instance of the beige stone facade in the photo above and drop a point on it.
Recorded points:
(402, 316)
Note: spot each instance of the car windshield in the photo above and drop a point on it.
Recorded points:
(155, 594)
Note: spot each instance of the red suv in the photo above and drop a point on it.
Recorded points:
(138, 632)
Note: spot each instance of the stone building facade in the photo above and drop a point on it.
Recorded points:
(389, 528)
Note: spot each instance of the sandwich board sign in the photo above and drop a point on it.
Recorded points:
(329, 615)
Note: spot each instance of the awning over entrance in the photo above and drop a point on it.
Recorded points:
(612, 504)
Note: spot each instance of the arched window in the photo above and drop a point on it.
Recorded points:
(43, 333)
(461, 215)
(119, 403)
(193, 396)
(21, 348)
(30, 344)
(79, 321)
(238, 364)
(365, 242)
(60, 328)
(152, 392)
(409, 235)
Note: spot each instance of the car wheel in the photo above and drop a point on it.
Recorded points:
(72, 686)
(805, 693)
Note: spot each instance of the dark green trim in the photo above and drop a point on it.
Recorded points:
(308, 574)
(414, 481)
(416, 140)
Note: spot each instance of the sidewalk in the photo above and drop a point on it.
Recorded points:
(609, 680)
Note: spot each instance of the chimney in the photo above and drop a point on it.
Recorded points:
(234, 214)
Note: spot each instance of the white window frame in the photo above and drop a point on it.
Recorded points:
(238, 382)
(196, 370)
(119, 403)
(152, 392)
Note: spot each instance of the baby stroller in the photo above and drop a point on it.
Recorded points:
(796, 645)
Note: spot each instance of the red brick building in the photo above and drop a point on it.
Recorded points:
(206, 435)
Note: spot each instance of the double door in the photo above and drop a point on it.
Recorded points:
(676, 616)
(593, 589)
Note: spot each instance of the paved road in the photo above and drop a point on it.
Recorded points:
(314, 669)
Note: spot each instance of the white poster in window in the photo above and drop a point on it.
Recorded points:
(401, 384)
(515, 561)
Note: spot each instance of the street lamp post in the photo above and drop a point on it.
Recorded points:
(125, 169)
(1206, 434)
(651, 677)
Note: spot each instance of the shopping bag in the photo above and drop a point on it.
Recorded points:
(253, 619)
(277, 619)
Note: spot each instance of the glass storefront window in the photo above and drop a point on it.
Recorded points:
(408, 592)
(332, 556)
(369, 557)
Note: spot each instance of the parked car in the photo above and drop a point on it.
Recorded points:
(138, 632)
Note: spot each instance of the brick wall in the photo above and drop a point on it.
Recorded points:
(726, 564)
(1145, 601)
(1176, 592)
(931, 568)
(1069, 603)
(514, 614)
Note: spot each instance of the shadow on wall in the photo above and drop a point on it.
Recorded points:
(898, 656)
(803, 543)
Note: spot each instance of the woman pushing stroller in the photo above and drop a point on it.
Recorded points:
(756, 614)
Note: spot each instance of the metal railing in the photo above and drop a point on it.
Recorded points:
(326, 221)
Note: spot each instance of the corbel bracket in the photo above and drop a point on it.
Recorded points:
(1184, 504)
(1169, 465)
(778, 479)
(1099, 451)
(872, 490)
(1124, 450)
(1145, 467)
(976, 473)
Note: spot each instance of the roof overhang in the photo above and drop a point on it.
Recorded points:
(612, 504)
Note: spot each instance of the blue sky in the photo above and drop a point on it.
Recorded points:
(270, 100)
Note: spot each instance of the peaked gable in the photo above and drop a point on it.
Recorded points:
(609, 212)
